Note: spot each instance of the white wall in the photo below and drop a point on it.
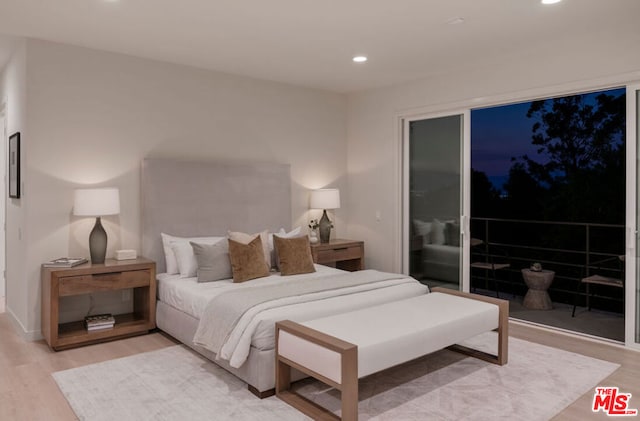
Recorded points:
(3, 145)
(13, 93)
(93, 116)
(374, 143)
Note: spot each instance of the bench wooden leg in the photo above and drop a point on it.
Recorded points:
(349, 387)
(283, 376)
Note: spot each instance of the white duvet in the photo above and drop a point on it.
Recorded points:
(256, 327)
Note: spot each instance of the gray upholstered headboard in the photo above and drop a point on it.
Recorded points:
(188, 198)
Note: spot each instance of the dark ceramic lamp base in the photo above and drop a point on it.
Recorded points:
(98, 243)
(325, 227)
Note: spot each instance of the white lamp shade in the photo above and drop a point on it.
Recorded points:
(96, 202)
(325, 199)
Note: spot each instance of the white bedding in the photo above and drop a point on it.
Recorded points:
(190, 296)
(257, 327)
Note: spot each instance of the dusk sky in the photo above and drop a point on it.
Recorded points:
(500, 133)
(497, 135)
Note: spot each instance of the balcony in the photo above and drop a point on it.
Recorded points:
(573, 251)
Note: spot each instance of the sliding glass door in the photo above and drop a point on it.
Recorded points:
(436, 236)
(433, 205)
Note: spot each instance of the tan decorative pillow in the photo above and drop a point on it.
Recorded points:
(247, 260)
(294, 255)
(244, 238)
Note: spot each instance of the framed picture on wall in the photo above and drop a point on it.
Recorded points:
(14, 165)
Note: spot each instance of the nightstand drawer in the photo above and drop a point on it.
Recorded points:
(83, 284)
(339, 253)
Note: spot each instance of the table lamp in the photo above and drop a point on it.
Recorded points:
(325, 199)
(98, 203)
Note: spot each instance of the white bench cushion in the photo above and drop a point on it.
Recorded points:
(395, 332)
(312, 356)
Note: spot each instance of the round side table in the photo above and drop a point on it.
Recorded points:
(537, 298)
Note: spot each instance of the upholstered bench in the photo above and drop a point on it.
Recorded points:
(340, 349)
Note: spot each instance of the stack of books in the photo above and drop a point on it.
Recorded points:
(99, 322)
(65, 262)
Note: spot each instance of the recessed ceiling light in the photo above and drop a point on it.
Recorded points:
(359, 59)
(551, 1)
(455, 21)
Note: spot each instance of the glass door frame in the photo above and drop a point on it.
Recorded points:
(632, 215)
(465, 189)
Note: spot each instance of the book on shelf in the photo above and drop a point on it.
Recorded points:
(99, 321)
(65, 262)
(94, 328)
(99, 324)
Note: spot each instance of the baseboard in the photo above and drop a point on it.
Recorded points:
(566, 332)
(30, 336)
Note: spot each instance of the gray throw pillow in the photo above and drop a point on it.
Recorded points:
(213, 261)
(452, 233)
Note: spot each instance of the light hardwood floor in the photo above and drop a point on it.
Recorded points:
(28, 392)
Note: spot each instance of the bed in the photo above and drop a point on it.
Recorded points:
(191, 199)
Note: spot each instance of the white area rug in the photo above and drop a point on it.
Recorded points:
(176, 384)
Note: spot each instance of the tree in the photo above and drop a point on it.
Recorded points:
(580, 157)
(484, 197)
(525, 196)
(575, 134)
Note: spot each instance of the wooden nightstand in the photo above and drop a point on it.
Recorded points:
(343, 254)
(138, 274)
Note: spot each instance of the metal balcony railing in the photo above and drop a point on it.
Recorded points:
(573, 250)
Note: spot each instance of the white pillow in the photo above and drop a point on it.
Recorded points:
(282, 234)
(437, 232)
(186, 258)
(169, 256)
(424, 229)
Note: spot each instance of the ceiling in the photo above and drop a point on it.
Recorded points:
(311, 43)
